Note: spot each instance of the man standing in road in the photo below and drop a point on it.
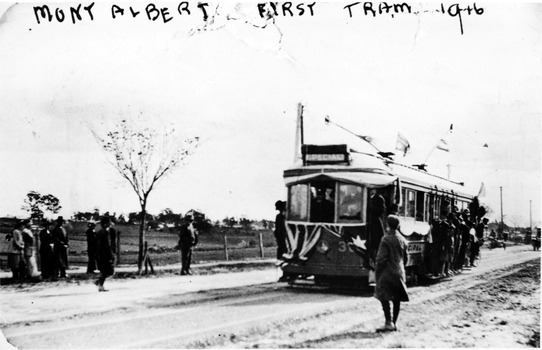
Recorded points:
(91, 247)
(105, 252)
(188, 238)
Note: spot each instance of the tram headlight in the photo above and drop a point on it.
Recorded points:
(322, 246)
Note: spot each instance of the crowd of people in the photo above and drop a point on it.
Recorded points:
(54, 244)
(454, 242)
(53, 251)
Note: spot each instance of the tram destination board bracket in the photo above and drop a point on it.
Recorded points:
(325, 154)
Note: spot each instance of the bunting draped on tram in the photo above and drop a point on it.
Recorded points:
(301, 238)
(359, 178)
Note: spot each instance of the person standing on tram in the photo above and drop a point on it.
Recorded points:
(375, 225)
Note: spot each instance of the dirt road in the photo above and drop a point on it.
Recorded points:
(495, 304)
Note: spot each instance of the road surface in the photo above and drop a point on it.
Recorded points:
(250, 309)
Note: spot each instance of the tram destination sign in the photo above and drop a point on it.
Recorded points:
(324, 154)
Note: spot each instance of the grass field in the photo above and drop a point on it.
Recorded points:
(241, 244)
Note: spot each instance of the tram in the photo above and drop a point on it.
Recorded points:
(328, 212)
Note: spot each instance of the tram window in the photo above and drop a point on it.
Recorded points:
(401, 210)
(297, 204)
(350, 202)
(410, 203)
(436, 208)
(322, 202)
(420, 199)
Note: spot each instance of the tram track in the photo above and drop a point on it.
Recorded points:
(179, 321)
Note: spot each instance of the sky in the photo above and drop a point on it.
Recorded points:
(236, 84)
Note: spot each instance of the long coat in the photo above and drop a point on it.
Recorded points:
(390, 274)
(60, 239)
(46, 253)
(105, 251)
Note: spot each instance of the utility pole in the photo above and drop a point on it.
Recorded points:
(502, 221)
(531, 216)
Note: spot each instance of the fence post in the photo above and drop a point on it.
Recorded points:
(226, 246)
(118, 248)
(261, 245)
(37, 248)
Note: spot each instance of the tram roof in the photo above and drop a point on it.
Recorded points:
(373, 171)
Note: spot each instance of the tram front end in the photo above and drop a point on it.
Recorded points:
(326, 213)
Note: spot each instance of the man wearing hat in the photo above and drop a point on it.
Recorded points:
(60, 239)
(187, 240)
(46, 251)
(105, 253)
(91, 247)
(280, 232)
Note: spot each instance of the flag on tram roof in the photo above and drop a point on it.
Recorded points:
(443, 145)
(402, 144)
(482, 191)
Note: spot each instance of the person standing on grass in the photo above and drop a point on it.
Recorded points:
(46, 251)
(15, 251)
(105, 252)
(390, 273)
(60, 239)
(29, 250)
(187, 240)
(91, 247)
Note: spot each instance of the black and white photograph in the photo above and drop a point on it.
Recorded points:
(270, 174)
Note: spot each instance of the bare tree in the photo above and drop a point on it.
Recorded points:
(143, 156)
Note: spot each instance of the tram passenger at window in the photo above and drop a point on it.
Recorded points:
(447, 252)
(463, 230)
(351, 204)
(322, 207)
(375, 223)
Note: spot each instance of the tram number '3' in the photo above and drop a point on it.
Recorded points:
(343, 246)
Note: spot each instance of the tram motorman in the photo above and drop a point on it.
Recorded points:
(322, 207)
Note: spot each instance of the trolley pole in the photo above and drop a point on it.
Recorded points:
(299, 137)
